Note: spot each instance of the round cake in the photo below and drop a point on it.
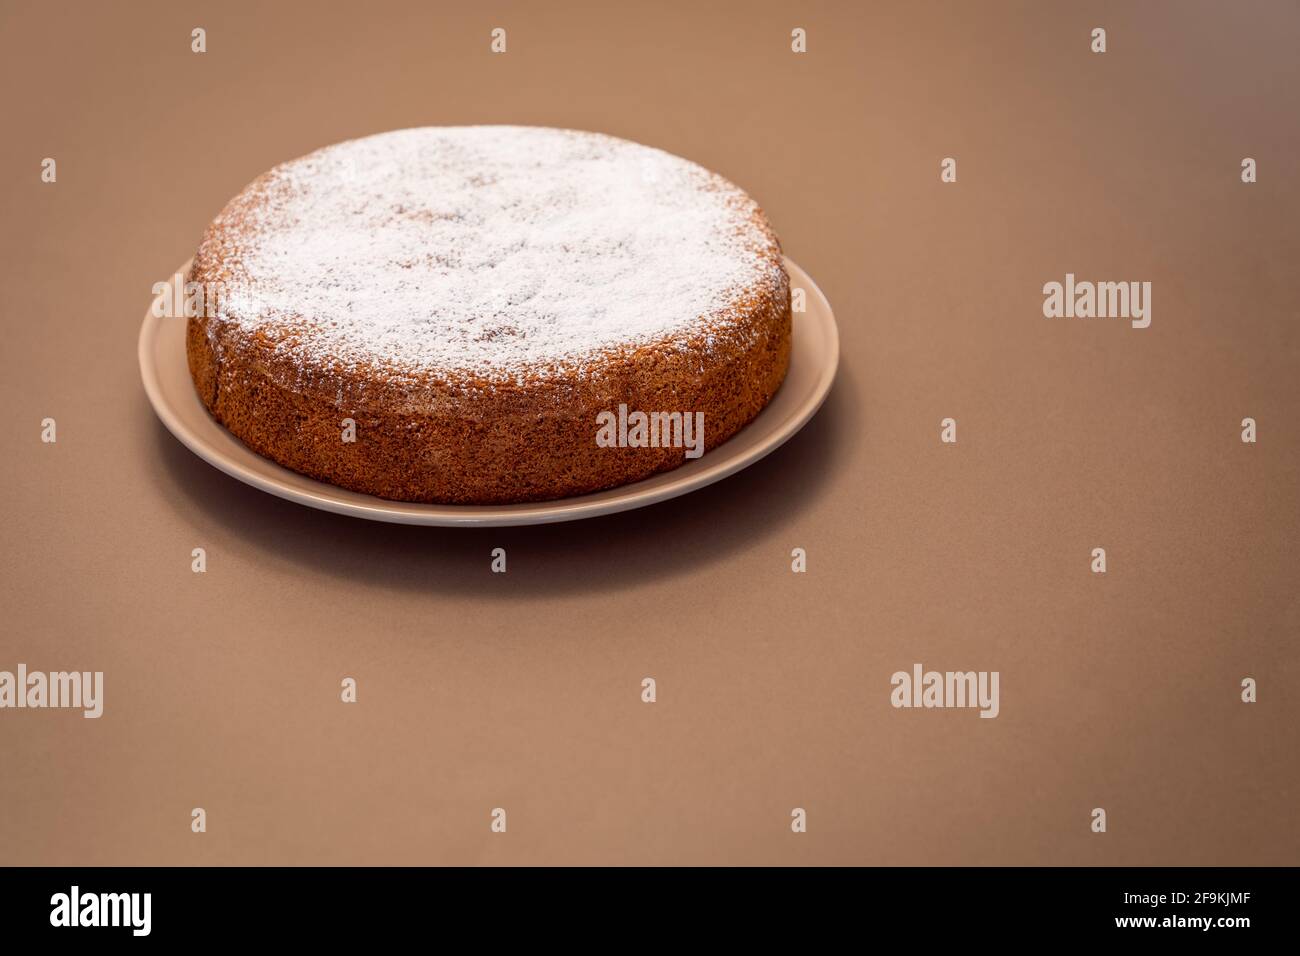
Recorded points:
(488, 314)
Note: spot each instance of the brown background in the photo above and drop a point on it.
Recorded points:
(522, 691)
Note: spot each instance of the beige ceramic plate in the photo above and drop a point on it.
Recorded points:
(813, 359)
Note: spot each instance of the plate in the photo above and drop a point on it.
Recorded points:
(813, 358)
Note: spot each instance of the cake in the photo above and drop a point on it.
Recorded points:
(488, 314)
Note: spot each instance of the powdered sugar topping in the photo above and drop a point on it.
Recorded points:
(493, 249)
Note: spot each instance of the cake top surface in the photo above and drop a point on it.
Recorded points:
(496, 250)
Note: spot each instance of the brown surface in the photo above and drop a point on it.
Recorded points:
(522, 691)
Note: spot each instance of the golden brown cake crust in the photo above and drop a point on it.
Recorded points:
(428, 432)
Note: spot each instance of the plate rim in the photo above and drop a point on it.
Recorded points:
(326, 497)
